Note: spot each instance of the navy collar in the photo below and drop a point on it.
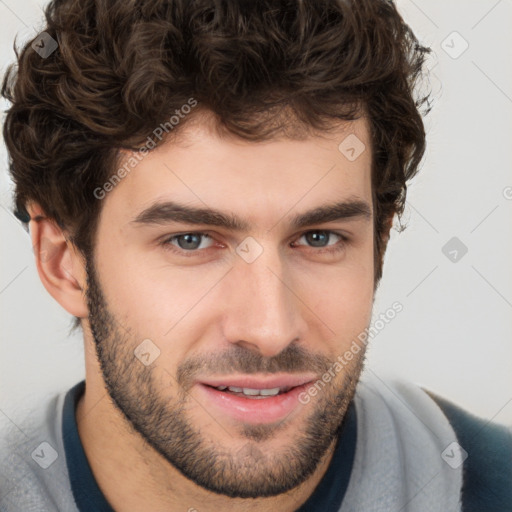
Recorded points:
(86, 492)
(327, 496)
(330, 491)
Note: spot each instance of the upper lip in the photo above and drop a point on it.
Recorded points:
(252, 382)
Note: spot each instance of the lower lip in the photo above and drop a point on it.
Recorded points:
(254, 410)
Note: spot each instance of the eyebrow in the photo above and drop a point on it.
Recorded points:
(169, 211)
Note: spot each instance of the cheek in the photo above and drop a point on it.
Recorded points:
(342, 297)
(343, 302)
(155, 300)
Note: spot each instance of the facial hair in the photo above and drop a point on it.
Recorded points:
(249, 471)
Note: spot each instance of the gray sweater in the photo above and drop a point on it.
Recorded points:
(407, 457)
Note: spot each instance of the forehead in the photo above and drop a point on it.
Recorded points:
(259, 181)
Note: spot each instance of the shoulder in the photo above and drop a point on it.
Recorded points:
(401, 436)
(487, 469)
(33, 470)
(450, 439)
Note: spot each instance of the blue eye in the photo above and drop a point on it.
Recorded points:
(189, 241)
(321, 238)
(193, 243)
(318, 238)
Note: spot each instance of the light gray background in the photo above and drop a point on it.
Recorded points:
(454, 335)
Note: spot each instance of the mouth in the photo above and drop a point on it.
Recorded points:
(253, 400)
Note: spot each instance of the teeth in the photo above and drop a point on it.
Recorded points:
(251, 391)
(269, 392)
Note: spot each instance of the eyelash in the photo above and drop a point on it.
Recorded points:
(332, 249)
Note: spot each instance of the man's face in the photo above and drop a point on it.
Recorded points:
(262, 297)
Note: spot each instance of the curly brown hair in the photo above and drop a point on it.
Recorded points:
(262, 68)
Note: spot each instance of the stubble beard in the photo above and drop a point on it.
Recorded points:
(248, 471)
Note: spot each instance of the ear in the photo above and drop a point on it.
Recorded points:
(60, 266)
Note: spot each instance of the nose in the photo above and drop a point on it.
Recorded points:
(263, 312)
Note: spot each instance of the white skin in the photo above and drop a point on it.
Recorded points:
(296, 299)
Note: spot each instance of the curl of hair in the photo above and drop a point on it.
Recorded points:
(265, 68)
